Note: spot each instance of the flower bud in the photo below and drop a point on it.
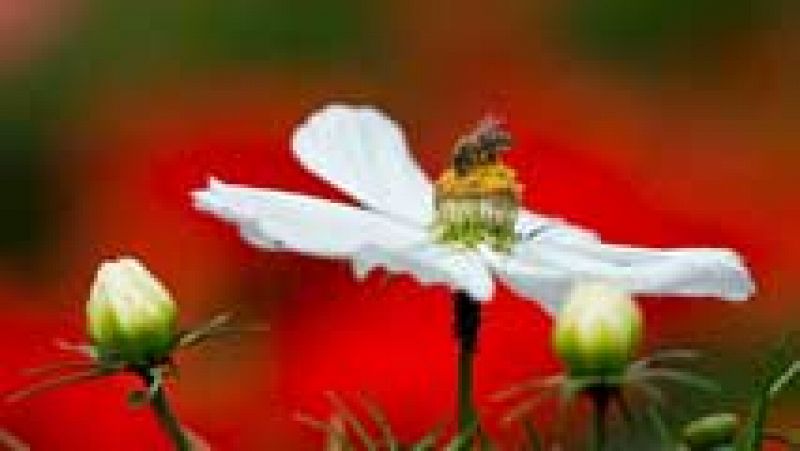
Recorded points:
(711, 431)
(130, 314)
(598, 330)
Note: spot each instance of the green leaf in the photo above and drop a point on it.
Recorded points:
(778, 371)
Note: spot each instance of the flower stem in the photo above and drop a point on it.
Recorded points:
(166, 417)
(600, 397)
(466, 408)
(466, 326)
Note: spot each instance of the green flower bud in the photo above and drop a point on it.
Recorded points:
(598, 331)
(130, 313)
(711, 431)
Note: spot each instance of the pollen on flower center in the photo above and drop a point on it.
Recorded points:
(477, 197)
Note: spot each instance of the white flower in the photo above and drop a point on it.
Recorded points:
(362, 152)
(598, 330)
(130, 313)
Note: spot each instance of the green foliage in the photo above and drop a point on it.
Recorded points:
(780, 369)
(721, 431)
(711, 431)
(126, 43)
(642, 381)
(95, 364)
(345, 431)
(652, 34)
(28, 201)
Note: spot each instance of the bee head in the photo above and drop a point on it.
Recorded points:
(466, 155)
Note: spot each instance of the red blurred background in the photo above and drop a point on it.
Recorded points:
(654, 122)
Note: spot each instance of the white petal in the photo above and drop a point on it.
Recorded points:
(431, 263)
(531, 225)
(546, 285)
(276, 219)
(682, 272)
(364, 153)
(273, 219)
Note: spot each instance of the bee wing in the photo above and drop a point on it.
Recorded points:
(364, 153)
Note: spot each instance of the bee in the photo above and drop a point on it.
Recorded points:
(486, 142)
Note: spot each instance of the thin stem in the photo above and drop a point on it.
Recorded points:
(600, 397)
(163, 412)
(466, 409)
(467, 324)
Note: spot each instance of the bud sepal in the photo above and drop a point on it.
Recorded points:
(597, 336)
(96, 363)
(131, 323)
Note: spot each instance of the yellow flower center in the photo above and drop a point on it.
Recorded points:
(477, 204)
